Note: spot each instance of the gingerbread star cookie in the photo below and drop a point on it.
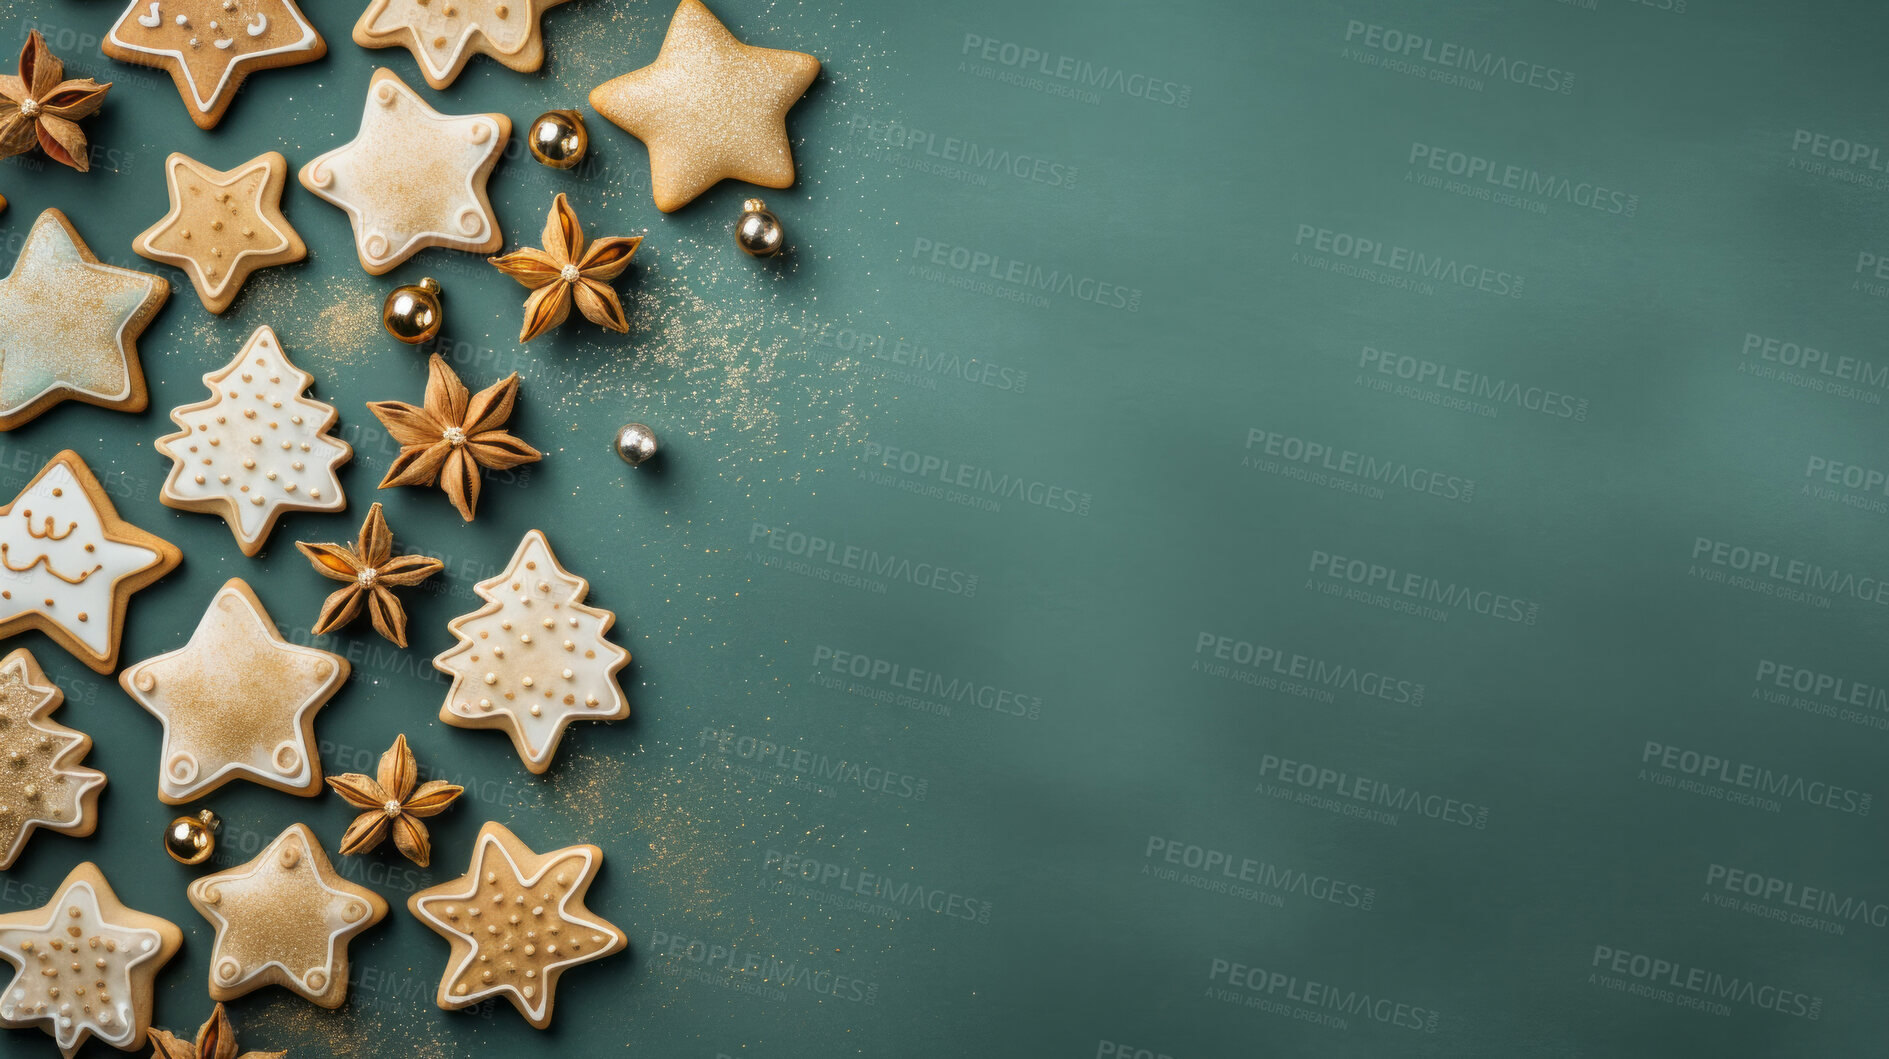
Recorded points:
(41, 782)
(285, 918)
(84, 965)
(534, 658)
(257, 447)
(444, 34)
(516, 921)
(413, 177)
(69, 326)
(223, 225)
(237, 702)
(69, 564)
(210, 46)
(710, 108)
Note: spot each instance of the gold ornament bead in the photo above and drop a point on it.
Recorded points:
(558, 138)
(758, 231)
(412, 313)
(191, 839)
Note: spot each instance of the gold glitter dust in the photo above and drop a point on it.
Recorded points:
(331, 319)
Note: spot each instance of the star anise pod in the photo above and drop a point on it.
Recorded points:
(216, 1040)
(40, 108)
(453, 435)
(565, 271)
(392, 803)
(369, 568)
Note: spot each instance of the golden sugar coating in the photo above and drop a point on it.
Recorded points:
(41, 782)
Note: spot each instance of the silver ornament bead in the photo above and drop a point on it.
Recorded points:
(759, 232)
(636, 444)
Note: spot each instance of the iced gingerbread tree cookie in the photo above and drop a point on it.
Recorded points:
(84, 965)
(257, 448)
(534, 658)
(42, 784)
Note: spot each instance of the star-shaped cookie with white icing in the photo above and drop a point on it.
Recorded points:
(210, 46)
(285, 918)
(413, 177)
(69, 326)
(710, 108)
(534, 658)
(237, 702)
(69, 564)
(42, 784)
(257, 448)
(442, 35)
(84, 965)
(516, 921)
(223, 225)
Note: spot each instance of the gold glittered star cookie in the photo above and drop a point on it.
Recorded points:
(69, 326)
(413, 177)
(210, 46)
(257, 448)
(710, 108)
(285, 918)
(106, 993)
(69, 564)
(237, 702)
(516, 921)
(223, 225)
(42, 784)
(444, 34)
(534, 658)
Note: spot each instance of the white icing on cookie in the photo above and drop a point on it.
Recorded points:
(65, 321)
(257, 447)
(55, 559)
(162, 43)
(534, 658)
(62, 960)
(284, 918)
(236, 702)
(412, 177)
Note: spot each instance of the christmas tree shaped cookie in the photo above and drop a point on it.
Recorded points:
(534, 658)
(257, 447)
(41, 783)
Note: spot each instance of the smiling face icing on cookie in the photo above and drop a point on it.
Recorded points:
(57, 561)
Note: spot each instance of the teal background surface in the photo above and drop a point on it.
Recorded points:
(1233, 532)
